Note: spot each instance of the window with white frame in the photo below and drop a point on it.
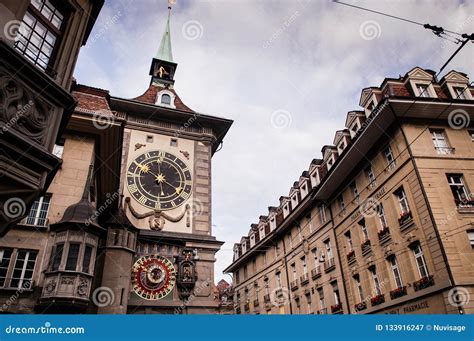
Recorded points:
(315, 257)
(278, 279)
(420, 261)
(322, 213)
(293, 270)
(375, 280)
(365, 232)
(329, 253)
(252, 239)
(309, 303)
(165, 99)
(460, 192)
(370, 176)
(335, 291)
(397, 276)
(440, 141)
(402, 201)
(359, 289)
(300, 232)
(355, 127)
(305, 266)
(24, 268)
(470, 236)
(382, 217)
(355, 191)
(38, 215)
(322, 304)
(261, 232)
(341, 146)
(40, 32)
(5, 258)
(272, 223)
(460, 92)
(423, 90)
(387, 152)
(348, 236)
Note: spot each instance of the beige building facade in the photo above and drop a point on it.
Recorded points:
(383, 222)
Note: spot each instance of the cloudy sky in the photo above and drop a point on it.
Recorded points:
(287, 72)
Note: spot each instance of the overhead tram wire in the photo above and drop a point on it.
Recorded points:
(436, 29)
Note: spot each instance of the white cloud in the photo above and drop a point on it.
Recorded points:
(255, 57)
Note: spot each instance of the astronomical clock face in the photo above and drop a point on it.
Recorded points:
(159, 180)
(153, 277)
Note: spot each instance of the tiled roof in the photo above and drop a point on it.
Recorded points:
(91, 99)
(149, 96)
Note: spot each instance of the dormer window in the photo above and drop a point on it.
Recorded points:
(252, 240)
(165, 99)
(261, 232)
(330, 162)
(286, 210)
(460, 92)
(422, 90)
(272, 223)
(294, 200)
(341, 146)
(314, 178)
(355, 128)
(304, 190)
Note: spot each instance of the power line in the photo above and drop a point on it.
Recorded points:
(437, 30)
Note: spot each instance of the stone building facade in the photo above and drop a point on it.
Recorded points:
(125, 225)
(39, 45)
(384, 221)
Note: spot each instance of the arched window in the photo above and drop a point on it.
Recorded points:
(166, 99)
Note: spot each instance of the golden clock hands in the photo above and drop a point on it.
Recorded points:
(177, 189)
(161, 186)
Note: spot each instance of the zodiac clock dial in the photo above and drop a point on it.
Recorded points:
(153, 277)
(159, 180)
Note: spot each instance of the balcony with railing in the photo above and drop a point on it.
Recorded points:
(360, 306)
(323, 311)
(316, 272)
(384, 235)
(329, 265)
(351, 258)
(378, 299)
(423, 283)
(336, 309)
(294, 285)
(398, 292)
(304, 279)
(405, 220)
(366, 247)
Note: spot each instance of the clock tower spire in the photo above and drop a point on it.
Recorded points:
(162, 66)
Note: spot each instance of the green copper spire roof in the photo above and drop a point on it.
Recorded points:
(164, 51)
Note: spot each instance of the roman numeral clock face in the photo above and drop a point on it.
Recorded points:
(159, 180)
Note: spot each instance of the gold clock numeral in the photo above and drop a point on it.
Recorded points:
(133, 188)
(173, 204)
(157, 205)
(142, 200)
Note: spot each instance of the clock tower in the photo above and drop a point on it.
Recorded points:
(166, 200)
